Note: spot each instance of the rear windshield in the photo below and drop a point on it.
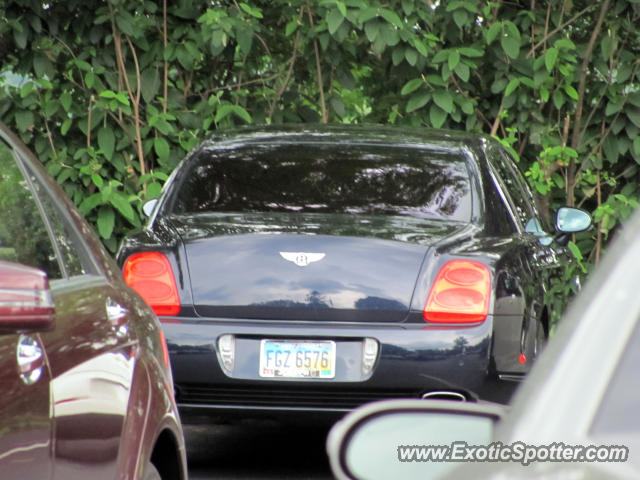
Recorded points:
(307, 178)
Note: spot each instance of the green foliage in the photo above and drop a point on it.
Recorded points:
(110, 99)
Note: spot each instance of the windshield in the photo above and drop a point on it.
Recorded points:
(316, 178)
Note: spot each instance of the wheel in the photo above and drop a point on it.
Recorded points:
(540, 340)
(151, 473)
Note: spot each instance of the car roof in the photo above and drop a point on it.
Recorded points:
(452, 140)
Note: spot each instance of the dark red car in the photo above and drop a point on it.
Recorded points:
(87, 391)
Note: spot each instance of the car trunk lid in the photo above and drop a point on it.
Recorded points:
(333, 268)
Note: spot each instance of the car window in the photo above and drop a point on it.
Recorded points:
(521, 195)
(71, 250)
(318, 179)
(24, 237)
(618, 411)
(517, 190)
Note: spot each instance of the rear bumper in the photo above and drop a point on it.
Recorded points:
(413, 359)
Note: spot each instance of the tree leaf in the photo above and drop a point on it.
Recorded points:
(471, 52)
(610, 148)
(66, 125)
(21, 35)
(573, 248)
(421, 47)
(462, 71)
(634, 115)
(467, 106)
(41, 65)
(437, 116)
(124, 21)
(292, 26)
(391, 17)
(90, 202)
(572, 92)
(106, 141)
(106, 221)
(153, 190)
(444, 100)
(222, 112)
(242, 113)
(417, 101)
(550, 58)
(411, 55)
(397, 55)
(441, 56)
(411, 86)
(494, 30)
(511, 46)
(97, 180)
(461, 17)
(65, 101)
(24, 120)
(367, 14)
(161, 147)
(253, 11)
(558, 99)
(389, 35)
(334, 20)
(407, 7)
(454, 59)
(371, 30)
(511, 86)
(122, 205)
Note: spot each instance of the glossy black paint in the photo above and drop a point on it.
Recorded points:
(373, 281)
(98, 402)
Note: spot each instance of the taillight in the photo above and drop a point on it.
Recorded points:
(460, 293)
(150, 274)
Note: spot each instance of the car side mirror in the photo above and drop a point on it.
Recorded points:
(25, 299)
(149, 206)
(571, 220)
(386, 439)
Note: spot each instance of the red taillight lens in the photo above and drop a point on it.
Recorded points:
(460, 293)
(150, 274)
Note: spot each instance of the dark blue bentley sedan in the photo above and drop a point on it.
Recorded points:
(319, 268)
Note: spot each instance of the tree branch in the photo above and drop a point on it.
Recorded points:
(165, 92)
(323, 105)
(135, 98)
(576, 137)
(287, 78)
(558, 28)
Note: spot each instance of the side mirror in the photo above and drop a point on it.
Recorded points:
(384, 440)
(149, 206)
(570, 220)
(25, 299)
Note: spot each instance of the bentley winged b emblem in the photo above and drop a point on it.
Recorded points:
(302, 259)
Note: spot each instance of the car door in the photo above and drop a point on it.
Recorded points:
(537, 259)
(90, 350)
(25, 421)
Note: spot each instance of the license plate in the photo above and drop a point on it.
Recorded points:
(297, 359)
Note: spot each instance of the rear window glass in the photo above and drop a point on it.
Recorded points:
(315, 178)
